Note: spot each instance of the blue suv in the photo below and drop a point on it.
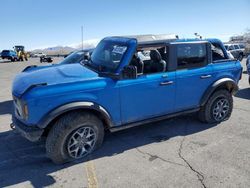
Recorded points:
(127, 81)
(9, 54)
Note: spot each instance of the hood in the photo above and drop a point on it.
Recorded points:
(51, 75)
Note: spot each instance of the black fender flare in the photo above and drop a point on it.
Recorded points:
(227, 83)
(102, 113)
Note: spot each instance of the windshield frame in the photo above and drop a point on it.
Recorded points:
(65, 61)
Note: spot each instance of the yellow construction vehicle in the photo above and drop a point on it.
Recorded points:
(21, 54)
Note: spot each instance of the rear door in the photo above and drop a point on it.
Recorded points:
(193, 74)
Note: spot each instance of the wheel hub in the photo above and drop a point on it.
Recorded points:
(81, 142)
(221, 109)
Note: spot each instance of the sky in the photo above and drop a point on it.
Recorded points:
(47, 23)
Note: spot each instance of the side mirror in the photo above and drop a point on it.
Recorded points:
(129, 72)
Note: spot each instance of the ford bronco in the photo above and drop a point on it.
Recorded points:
(127, 81)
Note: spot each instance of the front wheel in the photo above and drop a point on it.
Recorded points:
(218, 107)
(74, 136)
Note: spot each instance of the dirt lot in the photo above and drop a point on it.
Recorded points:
(179, 152)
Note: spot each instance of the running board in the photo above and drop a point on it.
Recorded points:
(159, 118)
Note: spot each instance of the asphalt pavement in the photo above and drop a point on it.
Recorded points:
(179, 152)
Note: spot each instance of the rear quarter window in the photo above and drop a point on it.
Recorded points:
(230, 48)
(217, 52)
(236, 47)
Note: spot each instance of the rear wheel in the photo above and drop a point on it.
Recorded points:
(218, 107)
(74, 136)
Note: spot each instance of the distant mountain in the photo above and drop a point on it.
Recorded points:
(55, 50)
(63, 50)
(86, 44)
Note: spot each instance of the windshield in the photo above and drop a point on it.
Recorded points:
(108, 55)
(75, 57)
(6, 51)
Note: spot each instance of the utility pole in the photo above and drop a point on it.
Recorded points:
(82, 36)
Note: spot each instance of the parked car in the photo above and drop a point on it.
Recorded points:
(9, 54)
(230, 55)
(237, 50)
(40, 54)
(74, 103)
(46, 59)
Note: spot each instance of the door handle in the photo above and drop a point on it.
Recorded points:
(206, 76)
(166, 83)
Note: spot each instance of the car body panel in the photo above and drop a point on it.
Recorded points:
(51, 76)
(145, 97)
(186, 96)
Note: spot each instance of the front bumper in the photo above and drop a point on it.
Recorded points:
(31, 133)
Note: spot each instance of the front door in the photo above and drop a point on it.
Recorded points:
(147, 96)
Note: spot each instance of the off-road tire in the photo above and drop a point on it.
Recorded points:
(206, 112)
(56, 143)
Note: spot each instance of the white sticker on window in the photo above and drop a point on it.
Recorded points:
(119, 49)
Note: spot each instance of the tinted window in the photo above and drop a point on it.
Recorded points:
(191, 55)
(230, 48)
(236, 47)
(242, 46)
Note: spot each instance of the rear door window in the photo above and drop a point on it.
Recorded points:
(191, 55)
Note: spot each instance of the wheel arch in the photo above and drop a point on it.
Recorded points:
(48, 121)
(223, 83)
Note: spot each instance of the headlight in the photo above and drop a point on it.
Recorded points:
(21, 108)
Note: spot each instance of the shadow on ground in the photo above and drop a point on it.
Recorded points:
(21, 160)
(6, 107)
(243, 93)
(5, 61)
